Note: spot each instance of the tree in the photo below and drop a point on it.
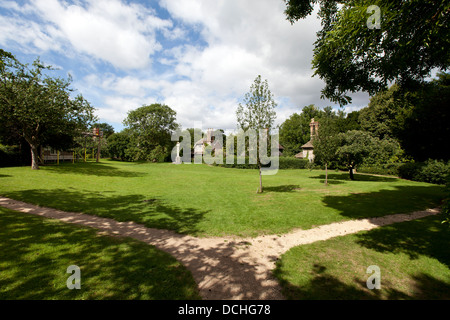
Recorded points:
(362, 148)
(118, 144)
(352, 53)
(325, 143)
(257, 114)
(292, 135)
(151, 128)
(418, 118)
(39, 107)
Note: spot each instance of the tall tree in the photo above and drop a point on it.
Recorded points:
(325, 143)
(257, 114)
(366, 44)
(151, 127)
(38, 106)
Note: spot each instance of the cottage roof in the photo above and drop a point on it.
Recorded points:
(308, 145)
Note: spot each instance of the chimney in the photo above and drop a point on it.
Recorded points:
(209, 136)
(314, 126)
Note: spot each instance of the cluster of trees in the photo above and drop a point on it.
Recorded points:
(147, 135)
(397, 126)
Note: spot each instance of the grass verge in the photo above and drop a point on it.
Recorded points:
(413, 258)
(35, 253)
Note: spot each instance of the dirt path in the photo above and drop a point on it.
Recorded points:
(224, 268)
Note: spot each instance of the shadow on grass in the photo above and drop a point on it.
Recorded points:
(153, 213)
(92, 168)
(339, 178)
(417, 238)
(401, 199)
(36, 252)
(324, 286)
(425, 236)
(285, 188)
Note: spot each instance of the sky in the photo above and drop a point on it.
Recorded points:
(199, 57)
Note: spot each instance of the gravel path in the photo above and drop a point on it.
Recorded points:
(224, 268)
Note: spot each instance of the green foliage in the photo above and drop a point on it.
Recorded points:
(9, 156)
(445, 209)
(362, 148)
(39, 107)
(259, 110)
(150, 128)
(348, 56)
(118, 146)
(432, 171)
(418, 118)
(295, 131)
(382, 169)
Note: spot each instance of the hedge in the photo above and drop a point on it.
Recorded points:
(284, 163)
(431, 171)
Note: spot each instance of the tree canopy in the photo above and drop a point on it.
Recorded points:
(349, 55)
(151, 127)
(39, 107)
(258, 113)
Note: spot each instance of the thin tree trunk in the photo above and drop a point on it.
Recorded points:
(326, 174)
(260, 180)
(34, 157)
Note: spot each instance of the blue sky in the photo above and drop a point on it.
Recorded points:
(197, 56)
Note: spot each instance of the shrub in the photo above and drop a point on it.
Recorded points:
(292, 163)
(390, 169)
(9, 156)
(432, 171)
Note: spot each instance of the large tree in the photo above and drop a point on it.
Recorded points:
(39, 107)
(257, 114)
(418, 118)
(366, 44)
(151, 128)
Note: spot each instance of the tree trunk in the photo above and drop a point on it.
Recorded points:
(34, 157)
(326, 174)
(260, 180)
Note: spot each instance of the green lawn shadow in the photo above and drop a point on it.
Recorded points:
(92, 168)
(152, 213)
(340, 178)
(400, 199)
(137, 270)
(283, 188)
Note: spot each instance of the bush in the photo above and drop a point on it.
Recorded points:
(9, 156)
(432, 171)
(390, 169)
(293, 163)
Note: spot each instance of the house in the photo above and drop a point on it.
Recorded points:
(308, 148)
(200, 145)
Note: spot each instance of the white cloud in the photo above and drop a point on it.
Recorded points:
(208, 53)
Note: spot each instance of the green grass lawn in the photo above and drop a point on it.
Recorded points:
(35, 253)
(413, 257)
(212, 201)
